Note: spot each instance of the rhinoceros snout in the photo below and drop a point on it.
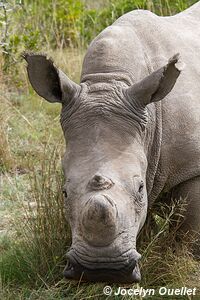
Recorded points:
(98, 215)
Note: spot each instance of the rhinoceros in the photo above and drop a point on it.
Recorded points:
(132, 127)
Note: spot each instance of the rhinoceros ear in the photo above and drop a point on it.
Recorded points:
(48, 81)
(157, 85)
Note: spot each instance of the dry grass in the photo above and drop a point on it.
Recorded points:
(6, 159)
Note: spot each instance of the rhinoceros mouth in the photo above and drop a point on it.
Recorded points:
(126, 272)
(79, 273)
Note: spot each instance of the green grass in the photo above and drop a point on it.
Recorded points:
(34, 235)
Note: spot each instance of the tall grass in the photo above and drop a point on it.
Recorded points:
(164, 261)
(42, 234)
(6, 159)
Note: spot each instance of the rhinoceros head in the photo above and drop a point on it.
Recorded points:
(105, 123)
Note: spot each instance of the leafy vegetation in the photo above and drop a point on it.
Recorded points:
(34, 234)
(43, 25)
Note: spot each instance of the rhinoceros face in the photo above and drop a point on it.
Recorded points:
(105, 165)
(106, 203)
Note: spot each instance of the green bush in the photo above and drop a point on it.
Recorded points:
(42, 25)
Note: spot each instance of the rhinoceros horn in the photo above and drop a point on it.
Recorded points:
(48, 81)
(157, 85)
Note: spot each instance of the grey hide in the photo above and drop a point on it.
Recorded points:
(132, 128)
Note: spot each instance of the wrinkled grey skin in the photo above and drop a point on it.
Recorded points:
(133, 131)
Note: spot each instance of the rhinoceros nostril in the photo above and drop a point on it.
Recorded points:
(98, 178)
(100, 182)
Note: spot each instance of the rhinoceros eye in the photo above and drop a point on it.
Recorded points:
(141, 187)
(64, 193)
